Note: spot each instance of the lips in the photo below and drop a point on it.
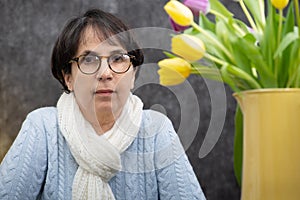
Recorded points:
(104, 92)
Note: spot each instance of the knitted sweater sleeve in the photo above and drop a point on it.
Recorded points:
(22, 171)
(175, 176)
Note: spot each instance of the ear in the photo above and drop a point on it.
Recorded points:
(133, 79)
(69, 81)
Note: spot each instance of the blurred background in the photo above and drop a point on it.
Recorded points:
(28, 32)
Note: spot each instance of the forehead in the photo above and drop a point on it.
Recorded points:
(94, 40)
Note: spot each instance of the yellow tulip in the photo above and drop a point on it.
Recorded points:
(188, 47)
(280, 4)
(173, 71)
(180, 14)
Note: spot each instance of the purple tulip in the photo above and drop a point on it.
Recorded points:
(197, 6)
(177, 27)
(251, 30)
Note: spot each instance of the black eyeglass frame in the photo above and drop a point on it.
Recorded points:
(76, 59)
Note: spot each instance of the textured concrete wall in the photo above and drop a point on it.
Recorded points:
(28, 31)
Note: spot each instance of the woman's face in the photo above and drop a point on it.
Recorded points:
(104, 91)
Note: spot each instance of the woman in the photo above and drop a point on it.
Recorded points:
(97, 143)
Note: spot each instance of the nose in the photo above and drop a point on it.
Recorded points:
(104, 73)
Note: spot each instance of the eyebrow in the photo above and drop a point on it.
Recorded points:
(89, 52)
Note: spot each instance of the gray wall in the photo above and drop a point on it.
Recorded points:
(28, 31)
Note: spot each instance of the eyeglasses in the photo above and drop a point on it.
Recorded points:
(90, 64)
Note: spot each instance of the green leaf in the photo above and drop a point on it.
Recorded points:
(240, 55)
(283, 52)
(284, 66)
(266, 77)
(286, 41)
(191, 31)
(268, 42)
(238, 145)
(289, 22)
(218, 6)
(294, 65)
(205, 23)
(168, 54)
(249, 38)
(256, 7)
(224, 33)
(297, 82)
(228, 79)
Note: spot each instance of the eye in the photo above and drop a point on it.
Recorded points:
(119, 58)
(88, 60)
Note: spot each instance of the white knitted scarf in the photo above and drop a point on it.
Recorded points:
(98, 157)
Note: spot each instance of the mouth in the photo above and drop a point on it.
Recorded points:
(104, 92)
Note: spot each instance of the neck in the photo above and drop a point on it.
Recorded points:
(102, 121)
(105, 121)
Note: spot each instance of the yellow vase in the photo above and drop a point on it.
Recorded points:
(271, 146)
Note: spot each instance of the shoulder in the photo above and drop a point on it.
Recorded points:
(43, 117)
(154, 138)
(154, 122)
(44, 112)
(159, 127)
(158, 132)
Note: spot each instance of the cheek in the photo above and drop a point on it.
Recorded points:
(83, 83)
(83, 89)
(126, 83)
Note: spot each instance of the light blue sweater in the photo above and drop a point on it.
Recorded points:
(39, 165)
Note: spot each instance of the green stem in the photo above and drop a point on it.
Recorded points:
(248, 15)
(262, 13)
(216, 42)
(214, 59)
(206, 72)
(234, 70)
(278, 40)
(216, 13)
(279, 26)
(297, 15)
(240, 73)
(200, 70)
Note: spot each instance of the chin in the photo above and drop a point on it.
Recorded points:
(103, 108)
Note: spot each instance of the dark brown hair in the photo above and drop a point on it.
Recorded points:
(106, 24)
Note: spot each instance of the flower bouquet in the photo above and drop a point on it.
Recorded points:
(263, 54)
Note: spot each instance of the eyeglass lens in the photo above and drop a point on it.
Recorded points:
(118, 63)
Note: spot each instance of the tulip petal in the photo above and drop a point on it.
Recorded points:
(279, 4)
(169, 77)
(173, 71)
(181, 14)
(197, 6)
(177, 27)
(188, 47)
